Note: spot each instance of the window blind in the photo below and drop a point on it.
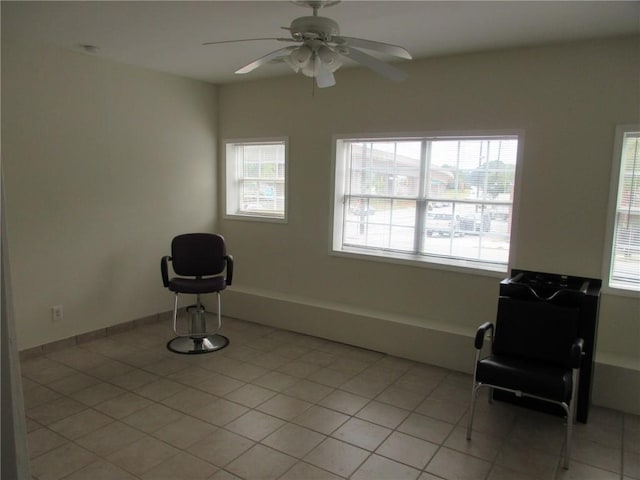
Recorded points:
(625, 255)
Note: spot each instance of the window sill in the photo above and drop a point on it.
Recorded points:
(255, 218)
(419, 261)
(620, 292)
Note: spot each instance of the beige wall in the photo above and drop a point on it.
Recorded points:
(567, 99)
(104, 164)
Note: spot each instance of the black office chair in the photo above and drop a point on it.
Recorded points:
(203, 257)
(535, 354)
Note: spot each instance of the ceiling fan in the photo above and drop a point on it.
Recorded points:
(321, 49)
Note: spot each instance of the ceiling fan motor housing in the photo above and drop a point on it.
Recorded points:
(323, 28)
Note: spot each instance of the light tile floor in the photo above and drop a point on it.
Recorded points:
(279, 405)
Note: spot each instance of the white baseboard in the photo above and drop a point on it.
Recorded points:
(615, 386)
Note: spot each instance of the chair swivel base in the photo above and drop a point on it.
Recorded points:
(198, 344)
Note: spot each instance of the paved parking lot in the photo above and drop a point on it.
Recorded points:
(397, 232)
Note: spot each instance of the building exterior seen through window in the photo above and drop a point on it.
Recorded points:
(256, 179)
(447, 200)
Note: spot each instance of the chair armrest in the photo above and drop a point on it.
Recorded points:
(229, 259)
(576, 353)
(481, 333)
(164, 268)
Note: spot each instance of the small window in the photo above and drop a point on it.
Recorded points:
(444, 200)
(624, 212)
(256, 179)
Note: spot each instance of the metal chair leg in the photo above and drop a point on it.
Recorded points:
(571, 414)
(175, 315)
(569, 409)
(198, 340)
(474, 396)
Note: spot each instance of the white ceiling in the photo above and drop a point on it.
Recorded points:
(168, 35)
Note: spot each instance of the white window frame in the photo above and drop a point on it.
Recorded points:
(231, 205)
(611, 286)
(409, 258)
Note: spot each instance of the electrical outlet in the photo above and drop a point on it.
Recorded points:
(56, 313)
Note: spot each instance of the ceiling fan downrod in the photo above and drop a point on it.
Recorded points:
(316, 4)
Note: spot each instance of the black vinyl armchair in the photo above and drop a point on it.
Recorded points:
(199, 260)
(535, 353)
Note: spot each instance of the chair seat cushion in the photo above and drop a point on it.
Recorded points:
(548, 381)
(197, 285)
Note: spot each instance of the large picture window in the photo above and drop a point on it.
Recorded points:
(442, 199)
(256, 179)
(624, 212)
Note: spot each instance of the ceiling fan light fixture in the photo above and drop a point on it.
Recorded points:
(301, 56)
(329, 58)
(311, 68)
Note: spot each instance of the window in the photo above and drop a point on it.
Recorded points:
(256, 179)
(446, 200)
(624, 212)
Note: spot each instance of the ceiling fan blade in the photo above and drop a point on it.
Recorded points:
(250, 40)
(324, 76)
(381, 68)
(387, 48)
(282, 52)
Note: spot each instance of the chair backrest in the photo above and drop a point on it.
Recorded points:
(198, 254)
(535, 330)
